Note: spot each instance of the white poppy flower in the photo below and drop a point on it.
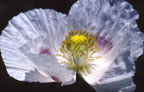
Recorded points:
(98, 39)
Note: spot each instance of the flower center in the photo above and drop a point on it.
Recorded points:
(78, 39)
(78, 50)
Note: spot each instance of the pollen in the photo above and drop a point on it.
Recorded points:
(78, 39)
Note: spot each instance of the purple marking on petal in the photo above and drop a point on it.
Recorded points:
(104, 43)
(45, 51)
(55, 78)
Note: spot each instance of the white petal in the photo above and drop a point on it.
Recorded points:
(16, 63)
(35, 29)
(114, 20)
(49, 67)
(123, 85)
(36, 76)
(102, 18)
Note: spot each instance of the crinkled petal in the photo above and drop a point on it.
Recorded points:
(38, 31)
(49, 67)
(36, 76)
(113, 20)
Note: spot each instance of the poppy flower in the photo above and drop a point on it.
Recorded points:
(98, 39)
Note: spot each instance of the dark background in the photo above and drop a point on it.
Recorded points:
(10, 8)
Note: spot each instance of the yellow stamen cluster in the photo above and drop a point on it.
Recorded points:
(78, 39)
(78, 48)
